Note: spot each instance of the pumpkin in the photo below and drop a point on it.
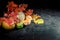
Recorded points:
(39, 21)
(20, 24)
(8, 23)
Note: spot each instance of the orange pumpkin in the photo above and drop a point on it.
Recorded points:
(27, 21)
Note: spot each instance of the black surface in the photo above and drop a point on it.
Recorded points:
(50, 30)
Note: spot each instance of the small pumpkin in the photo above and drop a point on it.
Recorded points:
(39, 21)
(20, 24)
(8, 23)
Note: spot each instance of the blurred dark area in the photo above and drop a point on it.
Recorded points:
(35, 4)
(50, 12)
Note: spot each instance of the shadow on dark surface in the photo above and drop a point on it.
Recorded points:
(50, 30)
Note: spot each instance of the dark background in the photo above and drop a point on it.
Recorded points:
(37, 4)
(50, 12)
(51, 4)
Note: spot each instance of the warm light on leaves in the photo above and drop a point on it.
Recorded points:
(16, 16)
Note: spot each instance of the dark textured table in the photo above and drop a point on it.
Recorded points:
(50, 30)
